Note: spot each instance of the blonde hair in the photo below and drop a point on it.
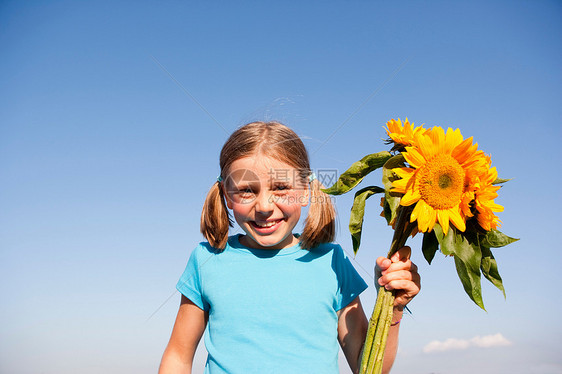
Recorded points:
(275, 140)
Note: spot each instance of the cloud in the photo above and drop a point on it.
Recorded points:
(487, 341)
(447, 345)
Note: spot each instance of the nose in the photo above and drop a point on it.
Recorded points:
(264, 202)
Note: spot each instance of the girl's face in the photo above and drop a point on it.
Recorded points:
(266, 197)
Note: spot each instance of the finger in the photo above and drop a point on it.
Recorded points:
(401, 287)
(397, 275)
(402, 254)
(382, 264)
(394, 279)
(407, 287)
(413, 267)
(407, 265)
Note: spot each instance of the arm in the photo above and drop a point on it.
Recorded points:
(186, 334)
(352, 330)
(399, 274)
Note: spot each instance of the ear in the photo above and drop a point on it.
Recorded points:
(226, 196)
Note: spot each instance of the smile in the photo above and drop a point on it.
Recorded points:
(265, 225)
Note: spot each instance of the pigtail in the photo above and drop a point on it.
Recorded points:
(215, 218)
(320, 224)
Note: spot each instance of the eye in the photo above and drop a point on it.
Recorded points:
(244, 191)
(281, 187)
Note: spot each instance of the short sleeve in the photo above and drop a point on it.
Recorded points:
(350, 283)
(190, 284)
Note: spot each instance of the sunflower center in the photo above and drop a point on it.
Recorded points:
(442, 182)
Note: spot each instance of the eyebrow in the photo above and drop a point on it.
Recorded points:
(244, 184)
(280, 182)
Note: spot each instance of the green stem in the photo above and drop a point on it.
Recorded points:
(388, 319)
(403, 230)
(370, 332)
(377, 333)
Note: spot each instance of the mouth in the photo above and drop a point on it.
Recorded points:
(267, 226)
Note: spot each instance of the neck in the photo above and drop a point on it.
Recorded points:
(249, 242)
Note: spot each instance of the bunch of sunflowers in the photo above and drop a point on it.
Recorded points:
(437, 183)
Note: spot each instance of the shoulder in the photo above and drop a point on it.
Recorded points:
(340, 260)
(332, 248)
(205, 248)
(202, 251)
(332, 251)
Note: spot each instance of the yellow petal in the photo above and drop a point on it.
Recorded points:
(413, 157)
(456, 219)
(424, 143)
(432, 217)
(496, 207)
(415, 212)
(438, 137)
(404, 172)
(443, 216)
(460, 153)
(409, 198)
(427, 216)
(452, 139)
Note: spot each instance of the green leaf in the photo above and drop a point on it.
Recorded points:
(467, 261)
(391, 200)
(500, 181)
(358, 212)
(470, 280)
(357, 171)
(496, 239)
(489, 268)
(430, 245)
(447, 242)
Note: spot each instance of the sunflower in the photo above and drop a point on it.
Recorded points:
(402, 134)
(484, 196)
(441, 166)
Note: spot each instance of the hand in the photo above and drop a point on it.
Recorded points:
(400, 274)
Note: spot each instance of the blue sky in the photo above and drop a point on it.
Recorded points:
(112, 115)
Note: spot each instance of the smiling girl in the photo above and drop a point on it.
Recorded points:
(272, 301)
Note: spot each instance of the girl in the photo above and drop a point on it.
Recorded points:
(272, 301)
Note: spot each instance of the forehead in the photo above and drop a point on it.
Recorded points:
(260, 167)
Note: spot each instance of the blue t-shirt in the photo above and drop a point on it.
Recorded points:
(271, 311)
